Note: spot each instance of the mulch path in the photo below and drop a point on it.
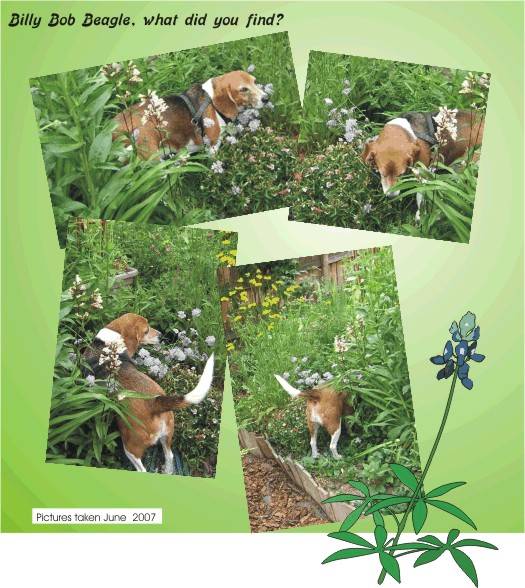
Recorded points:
(274, 502)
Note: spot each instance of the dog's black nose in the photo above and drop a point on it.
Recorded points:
(265, 98)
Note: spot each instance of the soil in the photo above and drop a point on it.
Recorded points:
(274, 502)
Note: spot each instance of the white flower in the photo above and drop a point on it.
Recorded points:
(196, 312)
(208, 122)
(250, 68)
(216, 167)
(340, 345)
(90, 380)
(210, 341)
(328, 101)
(181, 314)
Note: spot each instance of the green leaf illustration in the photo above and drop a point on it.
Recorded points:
(389, 562)
(419, 515)
(440, 490)
(351, 538)
(453, 510)
(342, 498)
(452, 536)
(348, 554)
(388, 502)
(353, 517)
(428, 557)
(405, 475)
(380, 534)
(431, 539)
(466, 564)
(474, 543)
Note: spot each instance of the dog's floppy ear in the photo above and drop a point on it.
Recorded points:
(224, 102)
(420, 153)
(128, 325)
(368, 153)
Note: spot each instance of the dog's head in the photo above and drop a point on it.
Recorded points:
(390, 161)
(234, 90)
(135, 331)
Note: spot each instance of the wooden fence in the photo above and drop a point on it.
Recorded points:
(260, 447)
(329, 267)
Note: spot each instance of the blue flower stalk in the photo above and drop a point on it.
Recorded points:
(455, 362)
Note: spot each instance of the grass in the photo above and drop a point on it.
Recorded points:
(297, 342)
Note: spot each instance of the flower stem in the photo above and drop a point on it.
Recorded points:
(427, 466)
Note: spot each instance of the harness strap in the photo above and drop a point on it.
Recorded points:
(431, 139)
(196, 114)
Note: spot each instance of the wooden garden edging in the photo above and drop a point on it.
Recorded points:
(260, 447)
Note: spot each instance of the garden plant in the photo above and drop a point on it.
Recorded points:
(91, 175)
(176, 290)
(348, 100)
(313, 332)
(459, 352)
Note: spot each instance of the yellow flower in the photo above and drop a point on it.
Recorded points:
(244, 296)
(259, 334)
(267, 277)
(226, 242)
(242, 307)
(270, 326)
(274, 287)
(274, 300)
(328, 302)
(238, 287)
(230, 346)
(247, 274)
(275, 316)
(265, 304)
(266, 311)
(251, 305)
(232, 292)
(225, 299)
(240, 280)
(258, 284)
(233, 252)
(279, 282)
(252, 281)
(237, 318)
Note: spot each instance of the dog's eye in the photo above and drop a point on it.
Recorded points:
(244, 89)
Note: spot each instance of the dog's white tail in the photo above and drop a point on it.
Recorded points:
(293, 392)
(204, 385)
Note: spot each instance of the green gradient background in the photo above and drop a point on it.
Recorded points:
(437, 281)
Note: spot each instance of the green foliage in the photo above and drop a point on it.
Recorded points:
(348, 99)
(177, 291)
(89, 175)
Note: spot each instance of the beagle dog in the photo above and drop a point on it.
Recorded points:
(410, 137)
(324, 407)
(191, 119)
(154, 419)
